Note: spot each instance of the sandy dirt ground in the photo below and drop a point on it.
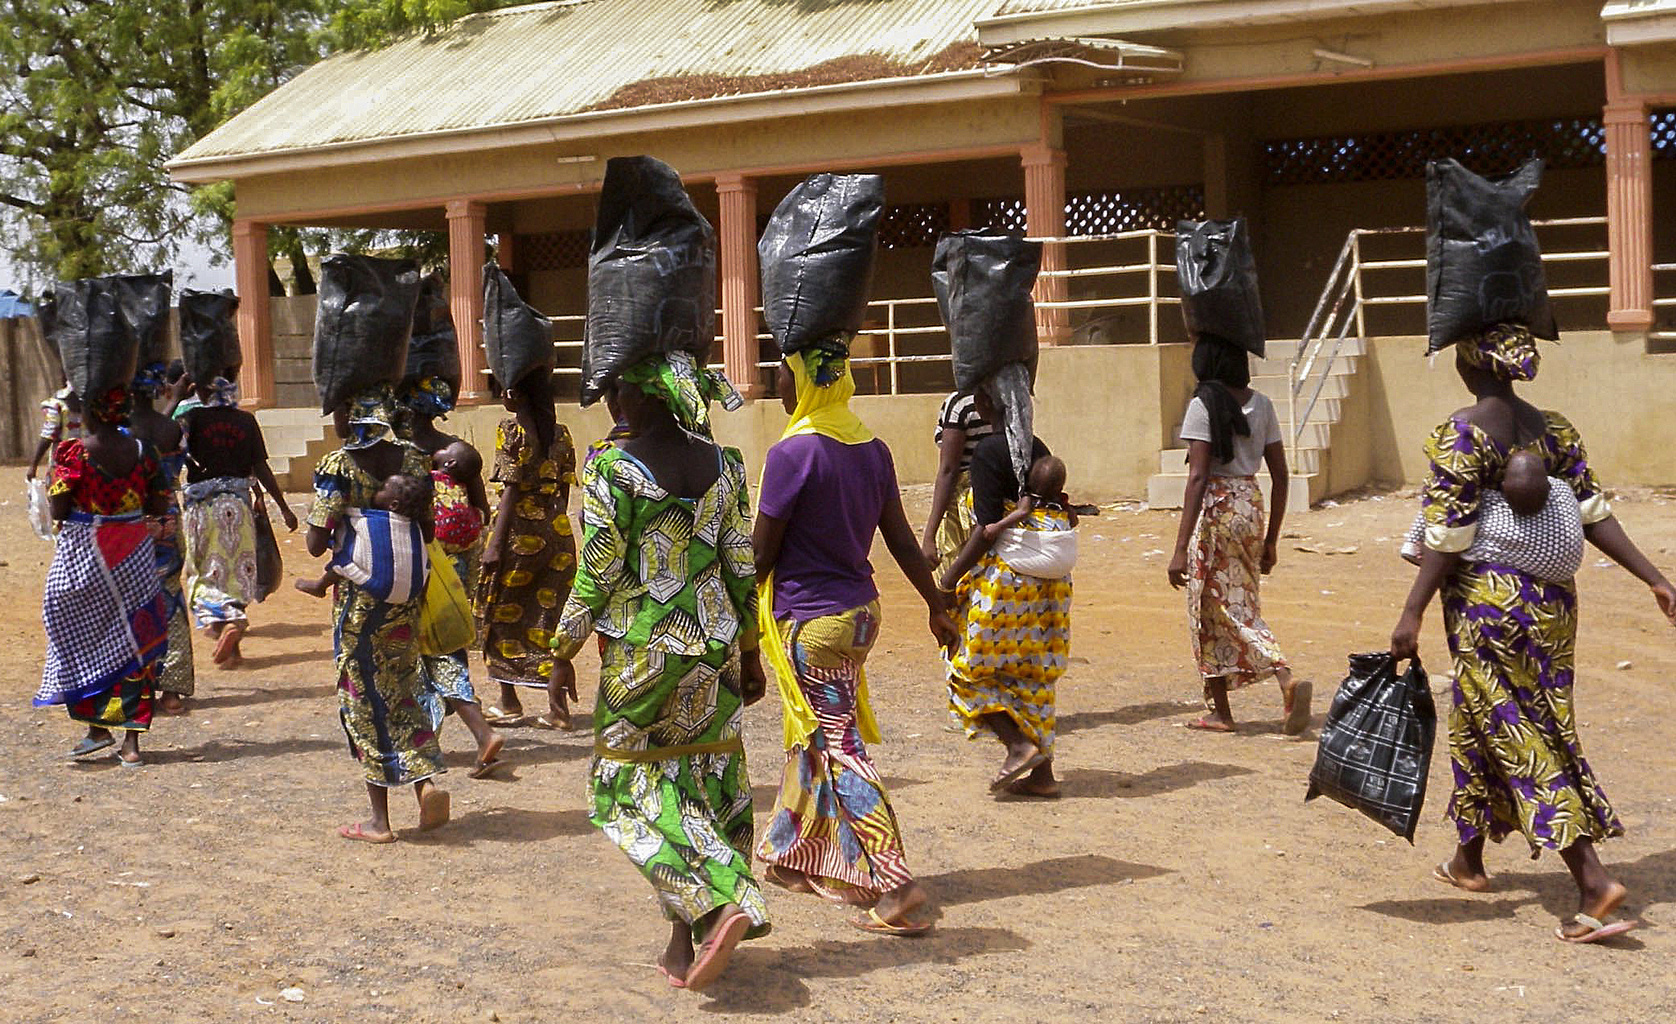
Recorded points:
(1182, 877)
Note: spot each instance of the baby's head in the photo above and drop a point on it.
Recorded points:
(1047, 478)
(459, 460)
(1525, 483)
(404, 495)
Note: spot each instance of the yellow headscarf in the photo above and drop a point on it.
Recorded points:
(824, 410)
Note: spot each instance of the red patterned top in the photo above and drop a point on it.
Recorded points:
(458, 524)
(96, 492)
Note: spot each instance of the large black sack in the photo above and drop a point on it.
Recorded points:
(1483, 264)
(1376, 745)
(434, 349)
(209, 334)
(982, 280)
(143, 300)
(516, 338)
(96, 347)
(361, 324)
(1217, 275)
(817, 260)
(651, 273)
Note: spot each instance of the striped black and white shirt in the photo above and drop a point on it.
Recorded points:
(960, 412)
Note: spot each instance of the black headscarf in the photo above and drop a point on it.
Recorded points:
(1221, 366)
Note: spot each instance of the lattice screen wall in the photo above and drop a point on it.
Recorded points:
(913, 225)
(1489, 149)
(553, 250)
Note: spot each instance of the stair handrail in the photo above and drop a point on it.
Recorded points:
(1343, 282)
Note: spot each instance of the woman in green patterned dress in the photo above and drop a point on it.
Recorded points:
(530, 560)
(380, 695)
(667, 580)
(1514, 749)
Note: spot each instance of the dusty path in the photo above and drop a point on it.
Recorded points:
(1181, 878)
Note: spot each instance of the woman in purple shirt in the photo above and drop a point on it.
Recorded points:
(827, 486)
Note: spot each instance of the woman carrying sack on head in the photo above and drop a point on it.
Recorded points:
(668, 584)
(1513, 742)
(104, 610)
(827, 486)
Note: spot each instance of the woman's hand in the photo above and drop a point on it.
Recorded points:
(753, 682)
(1271, 555)
(929, 550)
(944, 629)
(289, 516)
(1178, 569)
(561, 687)
(1405, 639)
(1665, 595)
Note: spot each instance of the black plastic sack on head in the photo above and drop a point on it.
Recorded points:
(143, 300)
(1376, 745)
(1483, 265)
(982, 280)
(516, 338)
(434, 349)
(651, 273)
(361, 324)
(1217, 274)
(209, 334)
(817, 260)
(96, 347)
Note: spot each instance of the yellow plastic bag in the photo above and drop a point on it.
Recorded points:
(445, 621)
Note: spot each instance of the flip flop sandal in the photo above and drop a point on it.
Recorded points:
(495, 716)
(433, 809)
(484, 769)
(356, 833)
(1007, 778)
(1297, 716)
(1598, 929)
(801, 886)
(717, 950)
(1442, 873)
(552, 722)
(225, 645)
(1204, 725)
(674, 982)
(124, 762)
(872, 922)
(89, 745)
(1013, 792)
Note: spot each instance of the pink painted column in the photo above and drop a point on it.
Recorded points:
(737, 265)
(255, 317)
(1044, 214)
(465, 294)
(1629, 215)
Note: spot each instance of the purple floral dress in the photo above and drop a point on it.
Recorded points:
(1513, 745)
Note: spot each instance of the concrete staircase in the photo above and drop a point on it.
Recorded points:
(296, 438)
(1309, 466)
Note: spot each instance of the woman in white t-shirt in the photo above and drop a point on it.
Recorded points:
(1222, 549)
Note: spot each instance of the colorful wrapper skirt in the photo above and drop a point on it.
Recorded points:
(1230, 639)
(380, 696)
(832, 820)
(1514, 751)
(219, 530)
(177, 674)
(1015, 645)
(684, 820)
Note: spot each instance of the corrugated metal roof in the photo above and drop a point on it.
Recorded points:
(547, 60)
(1037, 6)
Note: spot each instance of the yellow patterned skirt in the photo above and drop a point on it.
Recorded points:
(1015, 645)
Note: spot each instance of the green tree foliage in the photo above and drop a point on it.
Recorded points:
(97, 95)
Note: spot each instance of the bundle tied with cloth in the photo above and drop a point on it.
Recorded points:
(651, 280)
(209, 335)
(1222, 308)
(361, 325)
(816, 256)
(982, 280)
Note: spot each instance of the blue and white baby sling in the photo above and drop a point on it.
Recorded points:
(382, 553)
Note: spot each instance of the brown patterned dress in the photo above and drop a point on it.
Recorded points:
(519, 603)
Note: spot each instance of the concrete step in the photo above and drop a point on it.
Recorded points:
(1307, 459)
(1278, 388)
(1278, 355)
(1166, 490)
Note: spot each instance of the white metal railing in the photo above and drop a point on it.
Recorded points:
(1662, 334)
(1344, 303)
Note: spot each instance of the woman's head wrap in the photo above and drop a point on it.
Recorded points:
(224, 394)
(824, 388)
(1506, 350)
(1221, 366)
(676, 380)
(374, 418)
(1009, 388)
(430, 398)
(150, 380)
(111, 405)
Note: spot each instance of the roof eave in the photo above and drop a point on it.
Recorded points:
(1132, 17)
(909, 90)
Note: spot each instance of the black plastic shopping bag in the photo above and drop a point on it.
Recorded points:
(1376, 745)
(1483, 264)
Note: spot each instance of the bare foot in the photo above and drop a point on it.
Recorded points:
(433, 809)
(898, 906)
(1021, 757)
(172, 704)
(677, 957)
(488, 757)
(788, 879)
(1212, 723)
(314, 588)
(366, 832)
